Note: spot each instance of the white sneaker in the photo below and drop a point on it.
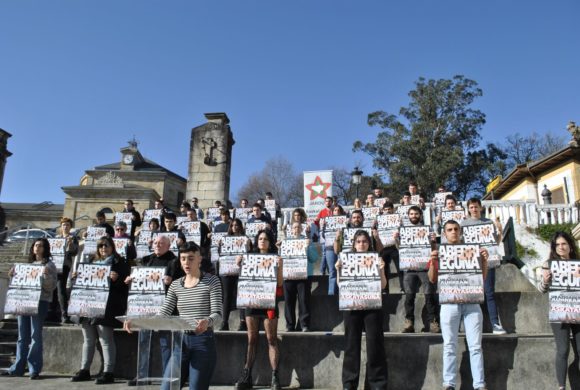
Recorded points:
(498, 329)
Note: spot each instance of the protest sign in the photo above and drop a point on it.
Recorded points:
(370, 215)
(460, 276)
(332, 225)
(484, 235)
(24, 290)
(565, 291)
(257, 283)
(294, 252)
(192, 231)
(230, 248)
(57, 250)
(414, 247)
(90, 291)
(147, 291)
(125, 217)
(387, 225)
(359, 286)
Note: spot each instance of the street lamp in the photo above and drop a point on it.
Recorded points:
(356, 178)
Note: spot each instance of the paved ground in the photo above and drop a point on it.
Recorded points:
(60, 382)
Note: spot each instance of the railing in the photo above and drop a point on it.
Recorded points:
(526, 212)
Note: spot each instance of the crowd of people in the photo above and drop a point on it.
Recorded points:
(197, 291)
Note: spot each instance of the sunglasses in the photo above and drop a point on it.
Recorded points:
(103, 246)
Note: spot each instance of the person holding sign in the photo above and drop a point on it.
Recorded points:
(296, 250)
(418, 242)
(230, 282)
(103, 327)
(263, 244)
(474, 209)
(331, 228)
(71, 249)
(562, 247)
(453, 313)
(29, 344)
(372, 323)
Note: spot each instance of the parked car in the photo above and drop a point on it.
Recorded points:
(20, 235)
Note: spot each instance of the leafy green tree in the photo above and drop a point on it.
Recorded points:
(434, 140)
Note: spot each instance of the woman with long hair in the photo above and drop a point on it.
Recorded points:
(562, 247)
(372, 323)
(103, 327)
(29, 344)
(264, 243)
(230, 282)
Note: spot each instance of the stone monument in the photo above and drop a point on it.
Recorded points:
(210, 160)
(4, 153)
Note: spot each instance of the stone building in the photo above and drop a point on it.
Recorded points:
(135, 177)
(559, 173)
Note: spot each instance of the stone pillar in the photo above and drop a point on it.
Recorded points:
(210, 160)
(4, 153)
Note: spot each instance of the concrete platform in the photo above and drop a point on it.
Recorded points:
(314, 360)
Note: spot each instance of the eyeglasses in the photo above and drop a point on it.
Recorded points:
(103, 246)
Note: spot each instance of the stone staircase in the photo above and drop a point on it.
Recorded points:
(8, 338)
(10, 253)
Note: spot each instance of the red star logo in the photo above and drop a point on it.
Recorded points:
(318, 188)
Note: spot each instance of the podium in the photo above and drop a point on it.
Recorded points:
(175, 326)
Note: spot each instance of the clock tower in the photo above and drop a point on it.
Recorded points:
(130, 156)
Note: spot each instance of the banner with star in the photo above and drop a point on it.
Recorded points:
(317, 186)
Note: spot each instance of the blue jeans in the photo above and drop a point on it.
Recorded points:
(29, 344)
(451, 315)
(199, 356)
(329, 259)
(489, 288)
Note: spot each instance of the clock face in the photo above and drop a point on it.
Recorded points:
(128, 158)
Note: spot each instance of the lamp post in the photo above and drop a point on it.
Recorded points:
(356, 175)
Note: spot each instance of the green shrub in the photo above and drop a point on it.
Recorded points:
(546, 232)
(523, 252)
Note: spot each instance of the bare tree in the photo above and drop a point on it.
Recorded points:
(278, 177)
(523, 149)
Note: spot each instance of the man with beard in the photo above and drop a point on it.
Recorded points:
(413, 280)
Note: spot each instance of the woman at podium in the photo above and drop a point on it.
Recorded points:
(198, 298)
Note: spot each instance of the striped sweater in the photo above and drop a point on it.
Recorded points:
(195, 303)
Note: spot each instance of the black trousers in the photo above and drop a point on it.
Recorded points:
(562, 337)
(413, 281)
(297, 289)
(230, 294)
(372, 323)
(391, 254)
(61, 290)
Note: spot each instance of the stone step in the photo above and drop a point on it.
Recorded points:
(8, 334)
(8, 347)
(515, 311)
(315, 359)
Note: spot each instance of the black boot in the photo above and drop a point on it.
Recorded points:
(275, 381)
(245, 381)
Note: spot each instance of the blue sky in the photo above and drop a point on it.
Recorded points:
(297, 78)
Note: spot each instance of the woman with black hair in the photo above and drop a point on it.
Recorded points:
(562, 247)
(264, 243)
(29, 344)
(197, 296)
(103, 327)
(372, 323)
